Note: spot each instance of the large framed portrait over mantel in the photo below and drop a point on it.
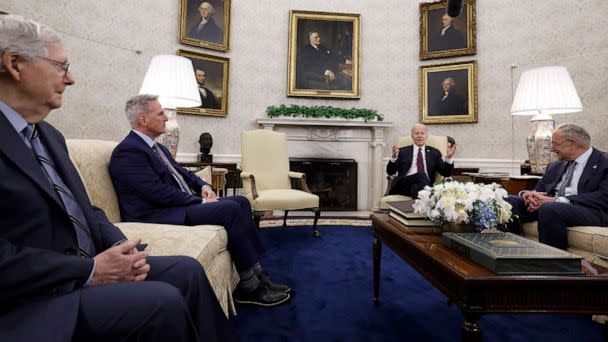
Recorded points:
(442, 36)
(205, 23)
(448, 93)
(211, 74)
(324, 55)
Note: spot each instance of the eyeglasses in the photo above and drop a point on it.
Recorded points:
(65, 66)
(554, 144)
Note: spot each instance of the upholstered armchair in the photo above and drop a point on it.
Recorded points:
(267, 179)
(438, 142)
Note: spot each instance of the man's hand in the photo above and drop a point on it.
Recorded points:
(450, 151)
(395, 152)
(120, 263)
(534, 199)
(330, 74)
(208, 194)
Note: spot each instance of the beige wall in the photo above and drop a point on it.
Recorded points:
(100, 37)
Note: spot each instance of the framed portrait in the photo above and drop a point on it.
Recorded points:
(205, 23)
(211, 74)
(448, 93)
(324, 55)
(442, 36)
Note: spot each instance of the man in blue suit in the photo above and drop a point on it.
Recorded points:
(152, 187)
(573, 191)
(67, 272)
(417, 164)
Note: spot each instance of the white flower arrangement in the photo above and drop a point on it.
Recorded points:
(483, 205)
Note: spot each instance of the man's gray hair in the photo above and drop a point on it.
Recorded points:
(575, 132)
(139, 104)
(25, 37)
(451, 80)
(209, 7)
(419, 125)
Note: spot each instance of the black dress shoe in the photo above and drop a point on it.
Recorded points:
(265, 279)
(262, 296)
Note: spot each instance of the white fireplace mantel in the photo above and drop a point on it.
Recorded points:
(363, 141)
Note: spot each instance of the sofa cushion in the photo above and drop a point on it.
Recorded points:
(204, 242)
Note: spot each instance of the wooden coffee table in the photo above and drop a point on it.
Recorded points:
(476, 290)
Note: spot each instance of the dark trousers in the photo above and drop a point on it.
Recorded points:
(234, 213)
(554, 219)
(410, 185)
(175, 303)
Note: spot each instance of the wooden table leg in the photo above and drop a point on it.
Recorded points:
(470, 330)
(376, 255)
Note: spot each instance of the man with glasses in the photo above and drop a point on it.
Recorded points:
(67, 272)
(573, 191)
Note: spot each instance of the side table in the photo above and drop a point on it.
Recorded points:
(512, 183)
(228, 168)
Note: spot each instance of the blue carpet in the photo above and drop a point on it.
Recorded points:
(332, 299)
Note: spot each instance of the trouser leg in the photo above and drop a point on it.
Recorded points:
(555, 218)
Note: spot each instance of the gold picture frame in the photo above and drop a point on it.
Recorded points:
(438, 40)
(212, 74)
(324, 55)
(448, 93)
(214, 33)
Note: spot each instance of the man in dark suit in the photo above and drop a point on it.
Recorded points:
(450, 102)
(152, 187)
(449, 37)
(319, 63)
(67, 272)
(572, 192)
(417, 164)
(206, 29)
(208, 100)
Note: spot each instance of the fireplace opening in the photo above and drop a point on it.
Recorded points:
(333, 180)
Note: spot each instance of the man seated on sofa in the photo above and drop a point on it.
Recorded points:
(572, 192)
(152, 187)
(67, 272)
(417, 164)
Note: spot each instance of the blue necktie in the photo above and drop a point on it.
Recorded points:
(176, 175)
(83, 232)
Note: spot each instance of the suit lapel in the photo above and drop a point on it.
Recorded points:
(14, 148)
(589, 171)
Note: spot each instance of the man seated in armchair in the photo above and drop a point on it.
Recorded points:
(573, 191)
(416, 164)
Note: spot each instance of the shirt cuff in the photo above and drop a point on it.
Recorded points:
(450, 161)
(203, 201)
(394, 159)
(562, 199)
(90, 275)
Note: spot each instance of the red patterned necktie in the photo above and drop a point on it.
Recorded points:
(420, 161)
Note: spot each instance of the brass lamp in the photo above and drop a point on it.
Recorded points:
(542, 92)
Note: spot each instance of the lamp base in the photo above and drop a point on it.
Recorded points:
(539, 143)
(171, 136)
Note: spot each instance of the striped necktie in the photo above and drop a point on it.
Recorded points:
(567, 178)
(176, 175)
(73, 209)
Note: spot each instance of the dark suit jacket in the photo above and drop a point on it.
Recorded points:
(210, 32)
(210, 101)
(146, 189)
(452, 39)
(592, 186)
(453, 104)
(434, 162)
(40, 270)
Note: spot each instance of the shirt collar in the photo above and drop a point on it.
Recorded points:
(16, 120)
(583, 158)
(149, 141)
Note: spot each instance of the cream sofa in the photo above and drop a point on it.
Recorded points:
(206, 243)
(589, 242)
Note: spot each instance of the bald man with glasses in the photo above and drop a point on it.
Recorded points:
(572, 192)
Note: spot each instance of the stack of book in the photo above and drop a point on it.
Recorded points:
(403, 212)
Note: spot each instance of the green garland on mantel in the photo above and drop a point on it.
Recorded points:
(323, 112)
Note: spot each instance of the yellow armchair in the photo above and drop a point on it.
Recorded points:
(267, 179)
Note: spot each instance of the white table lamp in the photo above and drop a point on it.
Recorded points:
(172, 79)
(542, 92)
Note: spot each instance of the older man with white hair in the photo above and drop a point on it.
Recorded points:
(68, 274)
(206, 29)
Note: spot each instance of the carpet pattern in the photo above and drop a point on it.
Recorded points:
(332, 298)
